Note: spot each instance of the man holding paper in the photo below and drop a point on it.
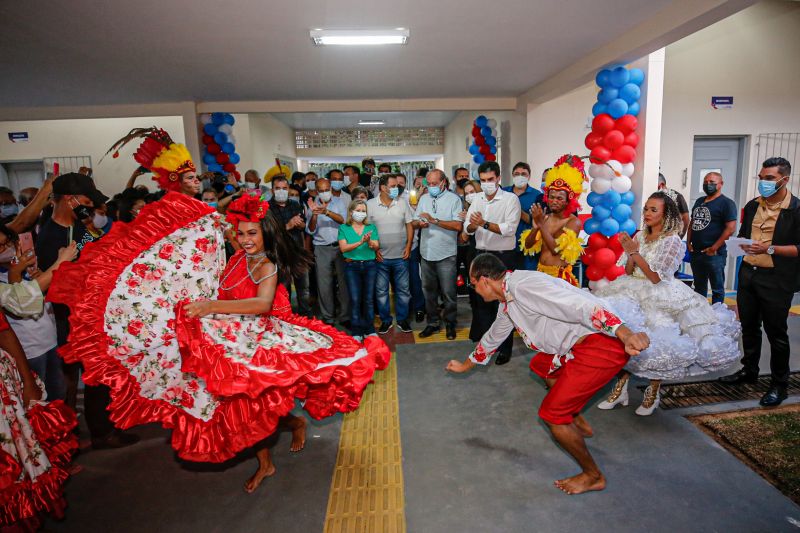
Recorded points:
(769, 277)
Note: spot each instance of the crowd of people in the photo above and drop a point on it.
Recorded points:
(354, 245)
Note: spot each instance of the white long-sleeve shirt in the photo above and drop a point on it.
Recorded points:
(504, 210)
(549, 314)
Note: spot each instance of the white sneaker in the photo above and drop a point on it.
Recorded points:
(619, 395)
(650, 401)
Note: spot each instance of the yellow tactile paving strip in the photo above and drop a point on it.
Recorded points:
(367, 487)
(462, 334)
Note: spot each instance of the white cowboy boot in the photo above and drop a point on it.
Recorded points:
(619, 395)
(652, 397)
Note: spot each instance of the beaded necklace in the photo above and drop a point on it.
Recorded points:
(260, 255)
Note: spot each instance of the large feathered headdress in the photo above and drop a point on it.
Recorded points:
(247, 208)
(566, 175)
(159, 154)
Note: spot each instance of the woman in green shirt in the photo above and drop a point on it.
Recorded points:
(358, 242)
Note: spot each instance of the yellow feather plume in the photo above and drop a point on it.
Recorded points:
(172, 158)
(537, 244)
(569, 246)
(569, 174)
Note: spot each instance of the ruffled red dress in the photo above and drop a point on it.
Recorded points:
(221, 383)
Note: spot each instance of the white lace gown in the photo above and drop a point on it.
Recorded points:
(688, 337)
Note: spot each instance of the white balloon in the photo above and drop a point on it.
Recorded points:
(600, 185)
(599, 171)
(627, 169)
(492, 123)
(232, 138)
(226, 129)
(592, 285)
(601, 283)
(615, 170)
(621, 184)
(205, 118)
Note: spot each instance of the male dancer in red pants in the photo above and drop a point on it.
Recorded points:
(581, 346)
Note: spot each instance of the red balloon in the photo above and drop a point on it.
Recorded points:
(238, 176)
(613, 139)
(594, 273)
(229, 167)
(486, 149)
(597, 241)
(615, 245)
(624, 154)
(222, 157)
(208, 139)
(476, 131)
(213, 149)
(592, 140)
(632, 139)
(587, 257)
(491, 157)
(604, 258)
(602, 123)
(600, 154)
(614, 272)
(626, 124)
(480, 140)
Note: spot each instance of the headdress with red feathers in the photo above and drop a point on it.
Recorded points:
(566, 175)
(247, 208)
(159, 154)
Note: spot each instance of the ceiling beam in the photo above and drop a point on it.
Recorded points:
(344, 106)
(166, 109)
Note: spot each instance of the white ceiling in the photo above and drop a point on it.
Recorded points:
(84, 52)
(395, 119)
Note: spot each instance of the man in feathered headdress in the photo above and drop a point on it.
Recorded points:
(555, 235)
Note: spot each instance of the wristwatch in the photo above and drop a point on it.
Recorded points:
(435, 221)
(485, 225)
(770, 250)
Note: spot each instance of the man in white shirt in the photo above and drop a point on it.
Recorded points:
(338, 190)
(493, 218)
(580, 346)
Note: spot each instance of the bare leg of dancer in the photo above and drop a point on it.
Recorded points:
(572, 440)
(265, 469)
(298, 426)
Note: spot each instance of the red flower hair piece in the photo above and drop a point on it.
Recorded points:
(247, 208)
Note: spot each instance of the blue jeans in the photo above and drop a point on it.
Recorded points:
(360, 277)
(50, 370)
(415, 282)
(397, 270)
(709, 268)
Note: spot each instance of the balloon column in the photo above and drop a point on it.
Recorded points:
(612, 142)
(484, 140)
(220, 150)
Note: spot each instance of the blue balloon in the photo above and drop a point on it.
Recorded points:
(229, 119)
(603, 78)
(609, 227)
(491, 140)
(481, 121)
(228, 148)
(594, 199)
(598, 109)
(619, 77)
(600, 213)
(606, 95)
(493, 149)
(220, 138)
(474, 149)
(630, 92)
(478, 158)
(214, 167)
(218, 118)
(235, 158)
(209, 159)
(636, 76)
(486, 131)
(628, 197)
(611, 199)
(617, 108)
(591, 226)
(621, 213)
(629, 227)
(210, 129)
(633, 109)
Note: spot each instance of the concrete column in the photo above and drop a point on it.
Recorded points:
(191, 131)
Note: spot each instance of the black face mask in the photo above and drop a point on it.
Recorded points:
(82, 212)
(400, 190)
(709, 188)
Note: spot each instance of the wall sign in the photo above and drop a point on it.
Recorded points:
(18, 136)
(722, 102)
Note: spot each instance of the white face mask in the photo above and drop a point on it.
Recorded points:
(470, 197)
(359, 216)
(99, 220)
(347, 181)
(520, 181)
(281, 195)
(8, 254)
(489, 187)
(250, 185)
(312, 185)
(325, 196)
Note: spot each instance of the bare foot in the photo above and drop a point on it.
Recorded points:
(298, 426)
(252, 484)
(583, 426)
(583, 482)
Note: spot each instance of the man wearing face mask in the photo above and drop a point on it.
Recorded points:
(311, 187)
(769, 277)
(8, 205)
(336, 178)
(521, 176)
(713, 221)
(351, 180)
(392, 218)
(293, 218)
(493, 218)
(367, 177)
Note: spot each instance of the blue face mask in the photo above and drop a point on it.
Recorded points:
(765, 188)
(394, 192)
(8, 210)
(337, 185)
(212, 204)
(434, 191)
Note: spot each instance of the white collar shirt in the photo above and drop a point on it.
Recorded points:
(504, 210)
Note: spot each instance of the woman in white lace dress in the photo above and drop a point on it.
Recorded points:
(688, 337)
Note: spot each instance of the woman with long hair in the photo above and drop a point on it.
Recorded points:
(688, 336)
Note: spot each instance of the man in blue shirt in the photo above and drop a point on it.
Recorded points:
(521, 175)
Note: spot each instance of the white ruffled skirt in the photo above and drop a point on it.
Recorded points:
(688, 337)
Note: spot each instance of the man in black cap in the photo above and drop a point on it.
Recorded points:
(75, 197)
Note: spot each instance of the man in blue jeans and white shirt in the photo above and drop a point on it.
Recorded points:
(713, 221)
(392, 216)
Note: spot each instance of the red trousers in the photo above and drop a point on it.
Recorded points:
(596, 361)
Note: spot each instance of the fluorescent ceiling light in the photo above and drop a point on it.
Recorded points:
(359, 37)
(371, 122)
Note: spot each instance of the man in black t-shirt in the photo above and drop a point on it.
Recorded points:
(292, 215)
(74, 195)
(713, 221)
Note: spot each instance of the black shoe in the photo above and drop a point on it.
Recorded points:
(384, 328)
(742, 376)
(429, 330)
(345, 324)
(117, 439)
(420, 316)
(451, 331)
(774, 396)
(404, 326)
(502, 358)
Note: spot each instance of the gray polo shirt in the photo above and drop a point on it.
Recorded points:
(437, 243)
(391, 222)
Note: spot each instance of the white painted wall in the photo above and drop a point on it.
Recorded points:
(268, 137)
(82, 137)
(511, 127)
